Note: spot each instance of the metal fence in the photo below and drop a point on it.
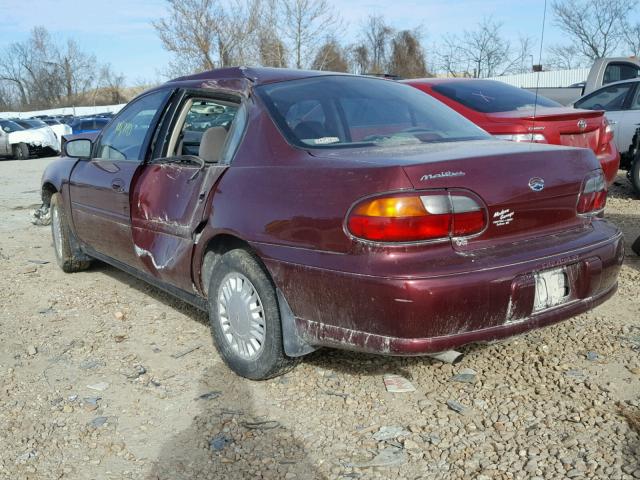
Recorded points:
(561, 78)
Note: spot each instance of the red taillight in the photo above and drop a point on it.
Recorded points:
(417, 217)
(607, 136)
(593, 196)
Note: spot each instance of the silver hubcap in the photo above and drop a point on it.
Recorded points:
(241, 315)
(57, 231)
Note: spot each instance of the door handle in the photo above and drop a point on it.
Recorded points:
(117, 185)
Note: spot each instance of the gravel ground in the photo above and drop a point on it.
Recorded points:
(104, 377)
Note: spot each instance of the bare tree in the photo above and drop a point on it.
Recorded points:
(42, 73)
(272, 50)
(632, 39)
(204, 34)
(78, 70)
(305, 23)
(112, 85)
(377, 36)
(520, 59)
(565, 57)
(359, 58)
(330, 57)
(478, 53)
(594, 26)
(407, 55)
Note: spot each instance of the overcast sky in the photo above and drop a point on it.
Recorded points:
(120, 31)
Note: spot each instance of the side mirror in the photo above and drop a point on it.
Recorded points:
(78, 148)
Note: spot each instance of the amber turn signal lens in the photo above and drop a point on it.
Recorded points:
(391, 207)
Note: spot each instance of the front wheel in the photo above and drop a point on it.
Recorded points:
(245, 318)
(66, 256)
(20, 151)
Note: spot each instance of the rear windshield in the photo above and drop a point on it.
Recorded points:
(349, 111)
(488, 96)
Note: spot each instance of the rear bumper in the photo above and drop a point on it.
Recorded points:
(610, 163)
(327, 335)
(414, 316)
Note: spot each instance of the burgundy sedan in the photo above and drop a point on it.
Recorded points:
(307, 209)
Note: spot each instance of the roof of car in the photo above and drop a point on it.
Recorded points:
(257, 75)
(240, 80)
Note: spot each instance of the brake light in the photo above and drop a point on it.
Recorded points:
(607, 136)
(593, 196)
(433, 215)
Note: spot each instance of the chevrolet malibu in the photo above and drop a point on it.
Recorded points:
(333, 210)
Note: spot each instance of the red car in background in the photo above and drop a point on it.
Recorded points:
(508, 112)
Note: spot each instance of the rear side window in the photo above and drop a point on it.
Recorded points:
(86, 125)
(488, 96)
(350, 111)
(610, 98)
(204, 128)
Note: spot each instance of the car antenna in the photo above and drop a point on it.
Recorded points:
(535, 103)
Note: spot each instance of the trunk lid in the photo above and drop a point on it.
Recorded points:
(499, 172)
(561, 126)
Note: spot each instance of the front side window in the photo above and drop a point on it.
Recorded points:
(125, 137)
(609, 99)
(490, 96)
(349, 111)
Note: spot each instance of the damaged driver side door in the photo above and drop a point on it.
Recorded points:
(170, 198)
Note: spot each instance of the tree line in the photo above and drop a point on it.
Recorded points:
(41, 72)
(205, 34)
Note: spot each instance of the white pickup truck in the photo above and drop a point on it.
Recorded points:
(603, 71)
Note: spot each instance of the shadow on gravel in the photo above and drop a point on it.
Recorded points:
(357, 363)
(233, 435)
(622, 188)
(152, 292)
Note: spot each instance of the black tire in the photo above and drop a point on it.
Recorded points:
(20, 151)
(634, 174)
(64, 245)
(636, 246)
(270, 361)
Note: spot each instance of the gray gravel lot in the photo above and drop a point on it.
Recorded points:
(105, 377)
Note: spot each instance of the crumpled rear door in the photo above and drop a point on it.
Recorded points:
(168, 203)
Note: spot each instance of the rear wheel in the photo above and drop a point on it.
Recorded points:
(636, 246)
(20, 151)
(245, 318)
(66, 256)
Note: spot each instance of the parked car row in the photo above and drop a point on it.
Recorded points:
(44, 135)
(317, 209)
